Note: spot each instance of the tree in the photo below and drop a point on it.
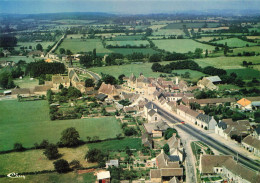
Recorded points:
(68, 52)
(155, 58)
(75, 164)
(169, 132)
(61, 86)
(198, 52)
(61, 166)
(8, 41)
(51, 152)
(73, 93)
(207, 53)
(166, 149)
(62, 51)
(39, 47)
(18, 147)
(109, 79)
(257, 116)
(70, 137)
(94, 155)
(89, 82)
(86, 60)
(94, 52)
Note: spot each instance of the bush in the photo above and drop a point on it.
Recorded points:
(94, 155)
(61, 166)
(70, 137)
(18, 147)
(130, 131)
(166, 149)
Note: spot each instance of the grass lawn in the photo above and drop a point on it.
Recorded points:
(127, 42)
(35, 160)
(228, 87)
(54, 177)
(26, 82)
(78, 45)
(227, 62)
(180, 45)
(17, 58)
(28, 123)
(127, 51)
(246, 73)
(132, 143)
(235, 42)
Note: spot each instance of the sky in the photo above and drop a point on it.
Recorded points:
(123, 6)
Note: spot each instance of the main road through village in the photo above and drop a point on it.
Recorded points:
(209, 141)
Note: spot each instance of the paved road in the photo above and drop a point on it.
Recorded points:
(208, 140)
(94, 75)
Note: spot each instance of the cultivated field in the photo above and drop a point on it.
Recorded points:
(235, 42)
(79, 45)
(28, 123)
(130, 42)
(180, 45)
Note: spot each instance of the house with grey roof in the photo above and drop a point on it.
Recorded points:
(206, 121)
(252, 144)
(150, 113)
(112, 163)
(176, 150)
(256, 133)
(147, 140)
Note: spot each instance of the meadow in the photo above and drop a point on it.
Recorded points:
(125, 38)
(33, 44)
(255, 49)
(78, 45)
(180, 45)
(245, 73)
(29, 123)
(235, 42)
(17, 59)
(194, 75)
(227, 62)
(25, 161)
(128, 42)
(54, 177)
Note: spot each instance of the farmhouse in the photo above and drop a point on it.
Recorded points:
(109, 90)
(209, 83)
(252, 145)
(103, 177)
(247, 104)
(176, 151)
(214, 101)
(60, 80)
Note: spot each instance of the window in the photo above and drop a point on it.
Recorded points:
(155, 118)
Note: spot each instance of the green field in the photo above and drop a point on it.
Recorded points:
(127, 51)
(33, 44)
(28, 123)
(132, 143)
(17, 58)
(125, 38)
(190, 25)
(180, 45)
(130, 42)
(78, 45)
(194, 75)
(227, 62)
(235, 42)
(245, 74)
(54, 178)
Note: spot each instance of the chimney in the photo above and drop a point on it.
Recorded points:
(177, 80)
